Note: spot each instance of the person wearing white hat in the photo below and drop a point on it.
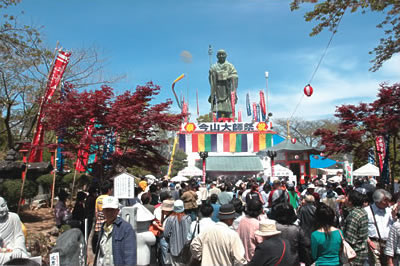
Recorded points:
(117, 239)
(309, 191)
(274, 250)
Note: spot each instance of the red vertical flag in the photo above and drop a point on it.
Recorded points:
(239, 116)
(83, 154)
(380, 148)
(233, 99)
(55, 76)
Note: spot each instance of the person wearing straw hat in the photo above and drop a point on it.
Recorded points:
(117, 239)
(274, 250)
(219, 245)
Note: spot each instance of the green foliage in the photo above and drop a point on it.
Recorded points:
(205, 118)
(329, 13)
(137, 171)
(11, 189)
(80, 179)
(45, 180)
(179, 163)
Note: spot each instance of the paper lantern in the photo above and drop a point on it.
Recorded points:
(293, 140)
(308, 90)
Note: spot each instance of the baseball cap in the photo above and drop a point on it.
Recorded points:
(110, 202)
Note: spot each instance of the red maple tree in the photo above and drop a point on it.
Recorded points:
(130, 117)
(359, 125)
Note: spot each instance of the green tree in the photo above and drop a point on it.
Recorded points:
(179, 163)
(328, 14)
(303, 130)
(205, 118)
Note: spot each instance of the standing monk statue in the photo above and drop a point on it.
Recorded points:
(223, 80)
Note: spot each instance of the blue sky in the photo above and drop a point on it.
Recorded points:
(144, 39)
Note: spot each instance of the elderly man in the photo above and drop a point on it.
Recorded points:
(117, 239)
(380, 218)
(223, 80)
(219, 245)
(12, 237)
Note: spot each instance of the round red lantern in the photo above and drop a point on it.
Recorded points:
(293, 140)
(308, 90)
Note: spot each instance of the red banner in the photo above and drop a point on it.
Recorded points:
(185, 111)
(83, 154)
(233, 99)
(255, 112)
(240, 116)
(262, 103)
(56, 74)
(380, 148)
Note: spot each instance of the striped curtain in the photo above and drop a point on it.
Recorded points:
(225, 142)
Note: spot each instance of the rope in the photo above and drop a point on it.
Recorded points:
(318, 65)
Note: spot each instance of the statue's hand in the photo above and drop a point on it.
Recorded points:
(17, 254)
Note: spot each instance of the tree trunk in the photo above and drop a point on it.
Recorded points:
(393, 168)
(10, 138)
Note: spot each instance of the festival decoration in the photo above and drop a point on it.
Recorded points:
(308, 90)
(380, 148)
(225, 142)
(262, 104)
(233, 100)
(173, 89)
(255, 112)
(248, 107)
(240, 116)
(293, 140)
(55, 76)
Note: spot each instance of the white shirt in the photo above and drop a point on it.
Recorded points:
(383, 220)
(204, 224)
(219, 245)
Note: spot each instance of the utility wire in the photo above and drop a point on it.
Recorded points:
(318, 65)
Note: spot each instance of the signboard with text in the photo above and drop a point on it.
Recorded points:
(124, 186)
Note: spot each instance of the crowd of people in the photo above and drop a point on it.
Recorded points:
(252, 222)
(235, 222)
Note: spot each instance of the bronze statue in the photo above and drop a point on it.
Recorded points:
(223, 80)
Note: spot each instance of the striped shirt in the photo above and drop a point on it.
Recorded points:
(176, 232)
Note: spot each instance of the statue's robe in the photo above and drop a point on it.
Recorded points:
(13, 237)
(223, 80)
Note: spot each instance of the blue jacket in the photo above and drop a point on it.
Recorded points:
(123, 243)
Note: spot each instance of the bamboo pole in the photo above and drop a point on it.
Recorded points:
(171, 162)
(54, 175)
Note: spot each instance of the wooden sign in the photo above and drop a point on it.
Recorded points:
(124, 186)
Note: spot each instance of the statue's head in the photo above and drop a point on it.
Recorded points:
(3, 208)
(221, 55)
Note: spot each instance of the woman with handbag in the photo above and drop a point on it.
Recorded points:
(326, 241)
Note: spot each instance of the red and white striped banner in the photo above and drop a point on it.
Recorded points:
(56, 74)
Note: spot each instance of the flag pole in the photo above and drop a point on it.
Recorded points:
(24, 174)
(73, 185)
(54, 177)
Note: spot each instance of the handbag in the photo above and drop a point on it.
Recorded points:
(347, 253)
(185, 255)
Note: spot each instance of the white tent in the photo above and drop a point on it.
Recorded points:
(179, 179)
(367, 170)
(190, 171)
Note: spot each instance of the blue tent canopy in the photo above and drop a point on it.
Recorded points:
(317, 161)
